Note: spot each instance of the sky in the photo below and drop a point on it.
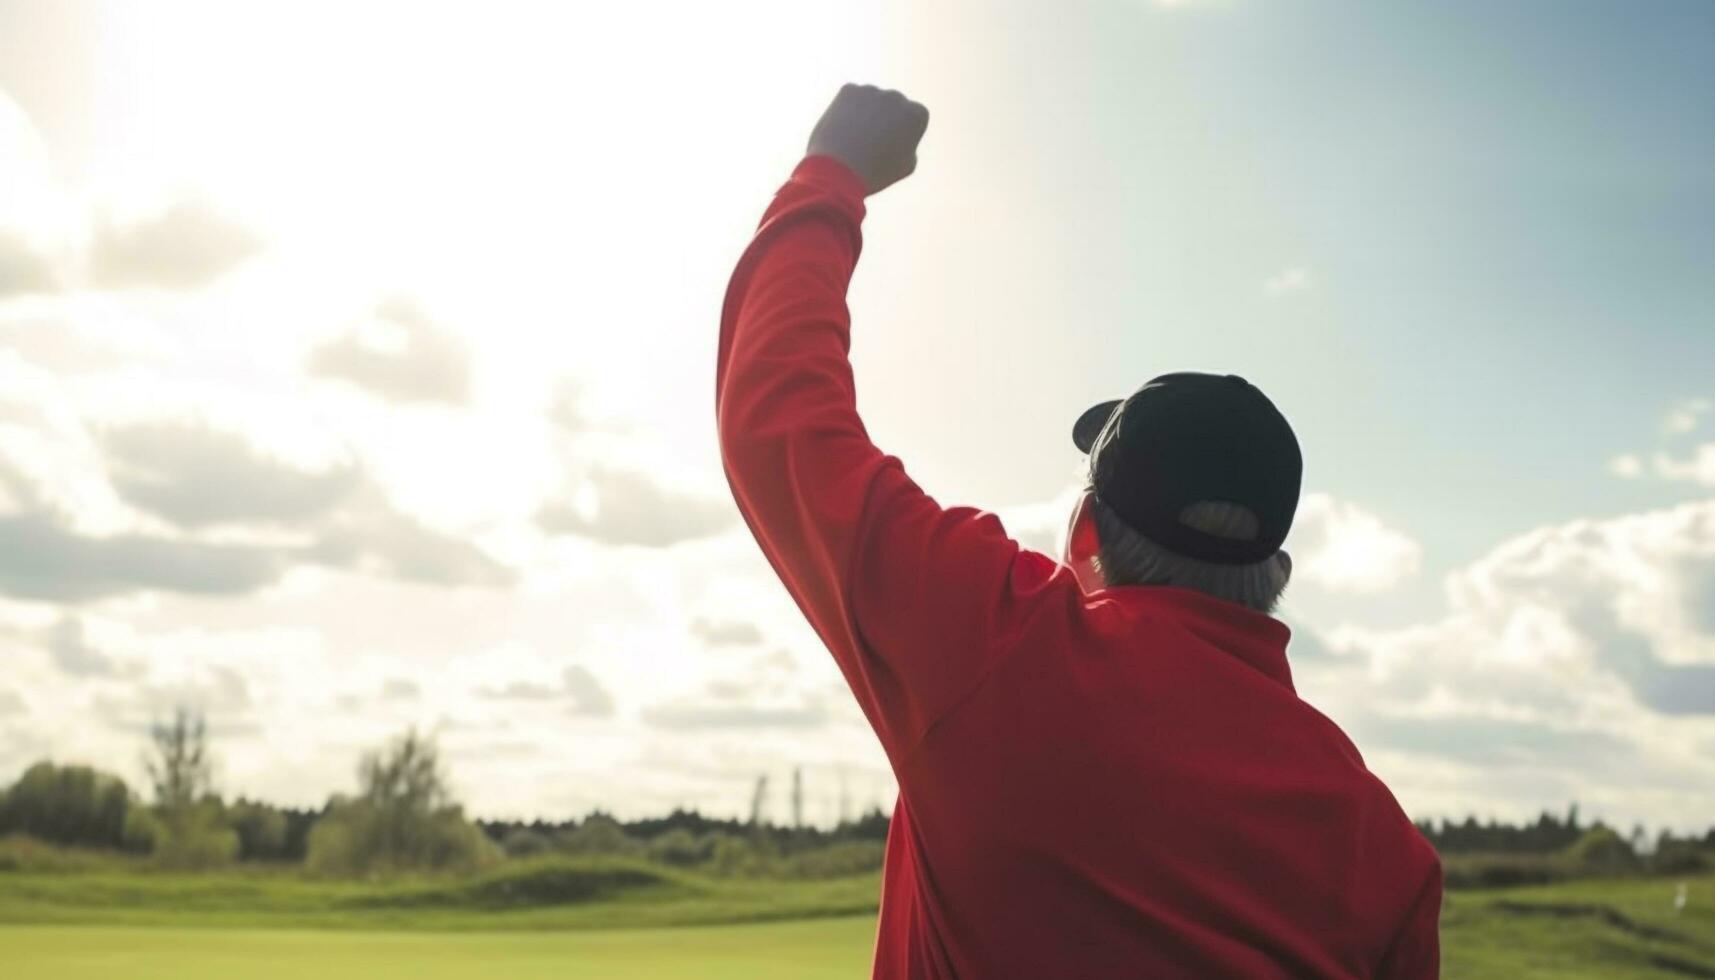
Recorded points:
(356, 370)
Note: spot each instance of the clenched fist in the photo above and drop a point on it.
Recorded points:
(872, 130)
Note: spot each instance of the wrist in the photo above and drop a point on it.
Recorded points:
(833, 172)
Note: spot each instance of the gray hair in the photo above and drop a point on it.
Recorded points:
(1126, 557)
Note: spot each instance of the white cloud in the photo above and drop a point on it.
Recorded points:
(726, 632)
(72, 650)
(184, 246)
(633, 507)
(1684, 416)
(1699, 467)
(1344, 548)
(1293, 279)
(722, 711)
(42, 557)
(44, 230)
(1574, 662)
(579, 689)
(1627, 466)
(262, 516)
(195, 475)
(400, 355)
(33, 207)
(22, 269)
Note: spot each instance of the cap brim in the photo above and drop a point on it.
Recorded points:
(1090, 424)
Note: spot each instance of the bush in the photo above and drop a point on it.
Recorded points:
(680, 848)
(1678, 858)
(523, 843)
(733, 855)
(1602, 851)
(197, 847)
(1504, 870)
(736, 856)
(357, 837)
(555, 882)
(836, 860)
(333, 848)
(194, 837)
(403, 819)
(598, 834)
(537, 882)
(143, 830)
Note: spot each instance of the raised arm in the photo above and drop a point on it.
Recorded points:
(912, 600)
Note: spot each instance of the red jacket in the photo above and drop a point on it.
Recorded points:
(1115, 784)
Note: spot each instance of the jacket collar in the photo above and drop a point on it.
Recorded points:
(1256, 638)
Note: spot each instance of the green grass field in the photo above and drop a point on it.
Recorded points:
(612, 919)
(1624, 928)
(808, 949)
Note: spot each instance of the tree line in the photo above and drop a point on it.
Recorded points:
(1552, 847)
(402, 817)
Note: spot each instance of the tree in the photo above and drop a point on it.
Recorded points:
(66, 805)
(180, 767)
(1677, 855)
(681, 848)
(1602, 851)
(406, 777)
(598, 834)
(195, 837)
(189, 829)
(261, 830)
(143, 830)
(402, 818)
(524, 842)
(759, 802)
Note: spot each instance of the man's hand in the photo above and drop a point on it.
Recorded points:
(872, 130)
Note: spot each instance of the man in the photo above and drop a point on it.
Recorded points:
(1103, 768)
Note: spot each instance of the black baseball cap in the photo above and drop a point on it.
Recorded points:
(1188, 437)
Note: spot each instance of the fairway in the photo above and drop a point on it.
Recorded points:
(160, 927)
(812, 949)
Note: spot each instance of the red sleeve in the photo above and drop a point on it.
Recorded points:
(915, 602)
(1416, 950)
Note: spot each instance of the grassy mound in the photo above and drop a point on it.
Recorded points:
(551, 892)
(543, 882)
